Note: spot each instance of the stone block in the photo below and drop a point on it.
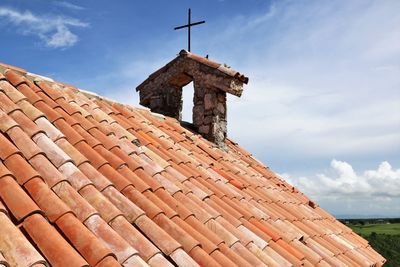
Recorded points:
(204, 129)
(221, 108)
(210, 101)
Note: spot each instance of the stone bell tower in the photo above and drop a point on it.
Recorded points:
(162, 92)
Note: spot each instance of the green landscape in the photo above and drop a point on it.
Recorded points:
(382, 234)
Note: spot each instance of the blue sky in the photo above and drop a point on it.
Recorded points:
(323, 104)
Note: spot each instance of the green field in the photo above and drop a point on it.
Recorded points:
(367, 229)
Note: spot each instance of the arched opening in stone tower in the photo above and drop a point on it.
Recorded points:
(187, 105)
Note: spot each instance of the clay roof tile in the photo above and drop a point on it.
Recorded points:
(99, 180)
(81, 208)
(47, 170)
(84, 241)
(21, 169)
(135, 238)
(106, 209)
(14, 78)
(46, 199)
(15, 247)
(7, 148)
(119, 246)
(157, 235)
(51, 243)
(16, 200)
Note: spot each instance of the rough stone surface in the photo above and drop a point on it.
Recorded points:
(162, 93)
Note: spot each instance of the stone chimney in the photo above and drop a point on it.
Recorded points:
(162, 92)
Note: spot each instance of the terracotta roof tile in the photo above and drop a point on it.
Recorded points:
(114, 161)
(204, 240)
(72, 152)
(84, 241)
(135, 261)
(168, 211)
(27, 92)
(54, 247)
(14, 246)
(3, 209)
(119, 181)
(76, 178)
(51, 131)
(99, 180)
(135, 238)
(23, 142)
(177, 206)
(284, 253)
(72, 110)
(50, 113)
(247, 255)
(263, 256)
(55, 154)
(141, 201)
(125, 186)
(46, 199)
(233, 256)
(50, 103)
(3, 261)
(6, 123)
(72, 136)
(98, 201)
(30, 111)
(128, 208)
(47, 170)
(21, 169)
(75, 201)
(181, 258)
(139, 184)
(106, 141)
(95, 159)
(157, 235)
(187, 241)
(7, 105)
(111, 239)
(14, 78)
(26, 124)
(16, 200)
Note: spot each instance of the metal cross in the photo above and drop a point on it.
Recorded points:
(188, 26)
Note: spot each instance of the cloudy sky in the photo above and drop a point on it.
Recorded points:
(323, 104)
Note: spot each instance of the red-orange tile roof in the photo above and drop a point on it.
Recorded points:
(85, 181)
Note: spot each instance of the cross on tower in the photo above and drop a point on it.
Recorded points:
(188, 26)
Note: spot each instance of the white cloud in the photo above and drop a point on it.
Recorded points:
(68, 5)
(53, 31)
(342, 180)
(342, 190)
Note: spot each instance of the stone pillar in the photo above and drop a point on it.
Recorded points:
(209, 113)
